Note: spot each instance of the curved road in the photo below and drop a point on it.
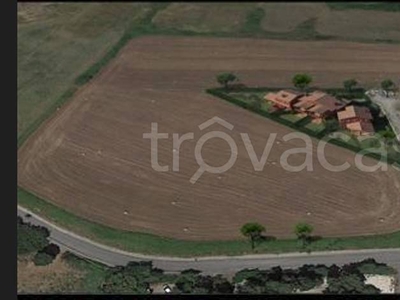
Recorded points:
(209, 265)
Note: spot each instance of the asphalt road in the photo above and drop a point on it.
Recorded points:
(209, 265)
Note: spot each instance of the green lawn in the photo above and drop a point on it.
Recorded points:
(317, 128)
(249, 97)
(291, 117)
(155, 245)
(351, 140)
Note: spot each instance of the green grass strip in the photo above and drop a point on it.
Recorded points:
(156, 245)
(377, 6)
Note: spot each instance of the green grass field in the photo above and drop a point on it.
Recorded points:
(59, 45)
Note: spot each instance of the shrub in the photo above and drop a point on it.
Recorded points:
(42, 259)
(349, 284)
(331, 125)
(52, 249)
(370, 266)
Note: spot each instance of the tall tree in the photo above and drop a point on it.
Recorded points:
(301, 81)
(134, 278)
(387, 85)
(253, 231)
(350, 84)
(195, 283)
(303, 232)
(225, 78)
(30, 238)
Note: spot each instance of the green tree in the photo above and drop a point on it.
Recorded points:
(190, 282)
(134, 278)
(30, 238)
(52, 250)
(277, 280)
(349, 84)
(225, 78)
(253, 231)
(387, 85)
(301, 81)
(46, 255)
(303, 232)
(349, 284)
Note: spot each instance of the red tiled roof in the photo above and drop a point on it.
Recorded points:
(284, 97)
(361, 126)
(308, 101)
(355, 112)
(327, 104)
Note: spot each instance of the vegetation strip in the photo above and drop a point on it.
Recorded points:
(155, 245)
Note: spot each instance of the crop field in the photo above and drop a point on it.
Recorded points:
(350, 24)
(90, 157)
(56, 43)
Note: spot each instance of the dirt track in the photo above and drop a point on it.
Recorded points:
(90, 158)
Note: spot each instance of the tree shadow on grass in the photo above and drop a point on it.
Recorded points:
(307, 246)
(267, 238)
(315, 238)
(264, 239)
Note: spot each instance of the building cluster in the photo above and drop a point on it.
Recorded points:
(319, 106)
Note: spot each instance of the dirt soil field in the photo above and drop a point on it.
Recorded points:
(90, 157)
(56, 277)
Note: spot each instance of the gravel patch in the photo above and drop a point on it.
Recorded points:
(390, 106)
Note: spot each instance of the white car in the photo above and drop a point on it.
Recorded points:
(167, 289)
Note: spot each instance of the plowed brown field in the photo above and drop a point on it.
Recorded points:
(90, 157)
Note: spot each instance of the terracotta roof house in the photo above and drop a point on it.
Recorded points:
(308, 101)
(357, 119)
(283, 99)
(319, 105)
(325, 106)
